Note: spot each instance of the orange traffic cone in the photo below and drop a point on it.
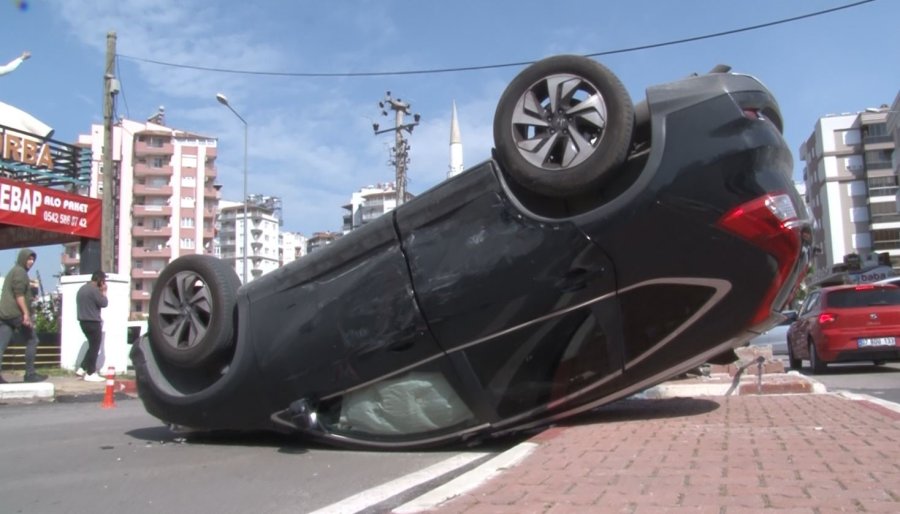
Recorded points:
(109, 400)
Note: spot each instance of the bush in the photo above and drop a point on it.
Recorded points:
(47, 313)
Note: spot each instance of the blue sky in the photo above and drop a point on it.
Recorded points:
(310, 138)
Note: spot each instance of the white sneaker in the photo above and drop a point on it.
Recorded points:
(80, 372)
(93, 377)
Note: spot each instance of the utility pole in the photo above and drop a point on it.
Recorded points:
(110, 89)
(400, 152)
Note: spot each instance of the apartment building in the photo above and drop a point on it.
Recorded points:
(264, 252)
(851, 178)
(293, 246)
(369, 203)
(166, 199)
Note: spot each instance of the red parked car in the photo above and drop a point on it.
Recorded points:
(845, 324)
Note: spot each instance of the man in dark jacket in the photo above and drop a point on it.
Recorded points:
(15, 312)
(91, 297)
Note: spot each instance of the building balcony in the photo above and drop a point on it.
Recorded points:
(145, 190)
(151, 232)
(209, 233)
(144, 170)
(138, 273)
(212, 192)
(256, 273)
(139, 211)
(140, 295)
(142, 148)
(148, 253)
(256, 232)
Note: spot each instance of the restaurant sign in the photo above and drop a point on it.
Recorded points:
(28, 205)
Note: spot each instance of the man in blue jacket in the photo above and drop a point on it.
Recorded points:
(15, 312)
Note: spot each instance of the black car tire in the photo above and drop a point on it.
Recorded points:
(192, 310)
(563, 126)
(879, 362)
(815, 362)
(793, 362)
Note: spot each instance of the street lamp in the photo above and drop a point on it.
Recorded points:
(224, 101)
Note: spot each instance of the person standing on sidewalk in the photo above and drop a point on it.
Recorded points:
(91, 297)
(15, 312)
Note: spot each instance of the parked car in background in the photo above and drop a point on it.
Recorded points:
(605, 248)
(845, 324)
(776, 337)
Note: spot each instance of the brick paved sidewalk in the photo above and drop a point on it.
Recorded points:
(810, 453)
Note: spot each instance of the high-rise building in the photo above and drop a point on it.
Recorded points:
(165, 200)
(369, 203)
(263, 236)
(321, 239)
(851, 188)
(293, 246)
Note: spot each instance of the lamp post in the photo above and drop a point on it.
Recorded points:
(224, 101)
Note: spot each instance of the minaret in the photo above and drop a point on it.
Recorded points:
(456, 150)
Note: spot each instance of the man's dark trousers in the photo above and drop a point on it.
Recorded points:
(93, 330)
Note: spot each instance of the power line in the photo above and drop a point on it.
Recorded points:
(495, 66)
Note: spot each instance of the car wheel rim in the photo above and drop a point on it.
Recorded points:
(185, 310)
(559, 121)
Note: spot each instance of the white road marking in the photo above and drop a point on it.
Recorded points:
(378, 494)
(467, 481)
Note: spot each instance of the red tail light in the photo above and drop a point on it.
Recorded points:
(827, 317)
(863, 288)
(769, 222)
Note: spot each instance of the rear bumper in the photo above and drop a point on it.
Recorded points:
(846, 349)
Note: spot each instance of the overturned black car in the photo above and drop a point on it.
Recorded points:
(605, 248)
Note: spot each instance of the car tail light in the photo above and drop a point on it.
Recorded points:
(864, 288)
(827, 317)
(771, 223)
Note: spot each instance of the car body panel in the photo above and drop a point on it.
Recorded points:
(479, 309)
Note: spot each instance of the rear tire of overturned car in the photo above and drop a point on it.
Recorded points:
(563, 126)
(192, 310)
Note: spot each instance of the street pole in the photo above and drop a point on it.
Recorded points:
(246, 220)
(400, 153)
(224, 101)
(107, 234)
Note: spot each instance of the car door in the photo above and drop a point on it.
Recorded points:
(798, 334)
(524, 307)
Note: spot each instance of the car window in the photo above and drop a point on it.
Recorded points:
(847, 298)
(811, 301)
(414, 403)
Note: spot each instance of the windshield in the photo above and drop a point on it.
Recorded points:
(847, 298)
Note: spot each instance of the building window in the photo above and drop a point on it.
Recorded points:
(883, 208)
(157, 162)
(187, 222)
(882, 186)
(187, 242)
(886, 239)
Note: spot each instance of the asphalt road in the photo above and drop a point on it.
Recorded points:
(862, 378)
(78, 457)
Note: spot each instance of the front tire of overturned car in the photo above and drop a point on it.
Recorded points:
(192, 311)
